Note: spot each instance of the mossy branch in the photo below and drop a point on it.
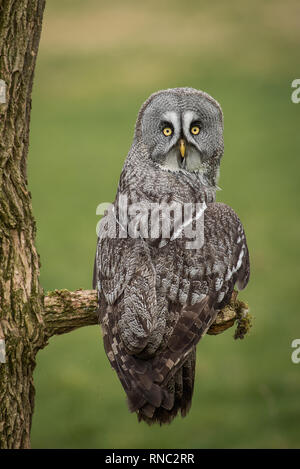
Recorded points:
(65, 311)
(235, 311)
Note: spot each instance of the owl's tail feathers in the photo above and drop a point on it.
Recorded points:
(164, 386)
(177, 396)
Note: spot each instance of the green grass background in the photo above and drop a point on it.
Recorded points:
(98, 61)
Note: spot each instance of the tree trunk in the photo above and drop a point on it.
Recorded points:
(27, 319)
(20, 294)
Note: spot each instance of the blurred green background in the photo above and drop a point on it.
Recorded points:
(98, 62)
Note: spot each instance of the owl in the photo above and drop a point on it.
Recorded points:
(160, 289)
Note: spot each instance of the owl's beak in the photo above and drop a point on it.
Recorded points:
(182, 147)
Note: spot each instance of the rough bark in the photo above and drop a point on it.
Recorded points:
(20, 293)
(65, 311)
(27, 318)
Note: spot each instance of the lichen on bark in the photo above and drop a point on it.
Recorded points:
(20, 293)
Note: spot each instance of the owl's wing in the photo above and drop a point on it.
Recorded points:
(123, 266)
(227, 252)
(125, 278)
(226, 264)
(127, 314)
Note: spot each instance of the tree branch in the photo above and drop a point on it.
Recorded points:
(65, 311)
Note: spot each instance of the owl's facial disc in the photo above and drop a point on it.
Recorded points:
(183, 130)
(176, 146)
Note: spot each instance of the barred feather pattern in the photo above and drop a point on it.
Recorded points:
(157, 300)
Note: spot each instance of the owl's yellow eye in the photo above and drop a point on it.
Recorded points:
(167, 131)
(195, 129)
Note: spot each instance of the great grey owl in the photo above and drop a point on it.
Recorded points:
(158, 292)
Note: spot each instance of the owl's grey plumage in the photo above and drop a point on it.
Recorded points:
(157, 297)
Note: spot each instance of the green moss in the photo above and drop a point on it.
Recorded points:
(244, 320)
(64, 296)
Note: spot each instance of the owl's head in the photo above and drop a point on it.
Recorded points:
(182, 129)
